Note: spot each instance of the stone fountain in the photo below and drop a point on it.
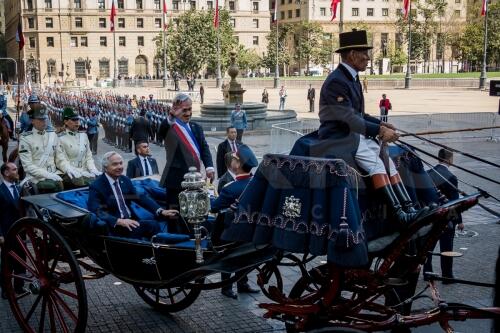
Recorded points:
(216, 116)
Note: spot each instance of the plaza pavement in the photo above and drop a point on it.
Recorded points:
(116, 308)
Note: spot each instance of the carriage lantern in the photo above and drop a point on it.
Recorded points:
(194, 203)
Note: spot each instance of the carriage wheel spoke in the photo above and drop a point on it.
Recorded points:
(23, 263)
(59, 315)
(65, 307)
(51, 315)
(35, 242)
(54, 264)
(184, 292)
(66, 292)
(157, 294)
(33, 307)
(41, 325)
(172, 300)
(43, 246)
(26, 251)
(23, 295)
(22, 277)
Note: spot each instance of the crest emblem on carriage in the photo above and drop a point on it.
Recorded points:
(149, 261)
(292, 207)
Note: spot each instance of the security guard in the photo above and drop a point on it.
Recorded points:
(74, 156)
(37, 149)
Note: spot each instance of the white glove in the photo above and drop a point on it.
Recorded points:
(87, 174)
(73, 173)
(18, 124)
(54, 177)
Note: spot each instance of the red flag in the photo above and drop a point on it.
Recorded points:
(112, 16)
(333, 7)
(165, 25)
(406, 8)
(19, 35)
(484, 7)
(216, 15)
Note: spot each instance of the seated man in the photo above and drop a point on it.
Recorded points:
(241, 164)
(143, 164)
(110, 198)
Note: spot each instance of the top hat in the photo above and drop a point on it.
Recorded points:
(353, 40)
(247, 157)
(69, 113)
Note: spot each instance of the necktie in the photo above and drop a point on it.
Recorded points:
(121, 201)
(15, 194)
(146, 169)
(233, 147)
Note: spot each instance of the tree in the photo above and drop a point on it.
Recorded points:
(307, 39)
(248, 59)
(284, 57)
(397, 57)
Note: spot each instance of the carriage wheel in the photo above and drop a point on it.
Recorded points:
(40, 266)
(168, 300)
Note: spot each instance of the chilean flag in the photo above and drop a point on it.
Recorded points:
(112, 16)
(406, 8)
(216, 15)
(333, 7)
(484, 7)
(165, 25)
(19, 35)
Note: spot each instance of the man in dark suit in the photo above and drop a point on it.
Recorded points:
(311, 97)
(143, 164)
(242, 163)
(185, 146)
(353, 135)
(141, 128)
(229, 176)
(226, 146)
(9, 206)
(447, 183)
(111, 195)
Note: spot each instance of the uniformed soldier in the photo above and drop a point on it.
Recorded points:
(74, 156)
(37, 149)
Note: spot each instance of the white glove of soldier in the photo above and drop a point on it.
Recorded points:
(73, 173)
(87, 174)
(54, 177)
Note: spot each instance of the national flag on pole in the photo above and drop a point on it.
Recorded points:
(484, 7)
(165, 25)
(112, 16)
(333, 7)
(19, 35)
(275, 13)
(216, 15)
(406, 8)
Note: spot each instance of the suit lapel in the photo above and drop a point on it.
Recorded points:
(6, 193)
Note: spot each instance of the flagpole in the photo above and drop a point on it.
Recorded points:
(164, 44)
(114, 59)
(277, 67)
(218, 78)
(408, 69)
(483, 77)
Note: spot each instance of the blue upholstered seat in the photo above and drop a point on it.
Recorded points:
(168, 238)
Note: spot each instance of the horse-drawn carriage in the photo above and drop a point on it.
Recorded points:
(293, 205)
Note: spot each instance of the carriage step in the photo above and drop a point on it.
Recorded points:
(395, 282)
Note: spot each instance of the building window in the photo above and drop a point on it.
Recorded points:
(282, 2)
(289, 1)
(458, 1)
(139, 4)
(84, 41)
(32, 42)
(231, 6)
(50, 41)
(80, 71)
(51, 67)
(103, 41)
(255, 23)
(30, 4)
(31, 23)
(355, 12)
(78, 22)
(102, 22)
(103, 68)
(369, 11)
(297, 12)
(140, 41)
(101, 4)
(49, 22)
(121, 4)
(385, 11)
(78, 4)
(121, 22)
(175, 5)
(158, 23)
(157, 5)
(140, 23)
(255, 40)
(255, 7)
(233, 22)
(384, 43)
(193, 5)
(48, 4)
(121, 41)
(73, 42)
(322, 11)
(456, 13)
(290, 14)
(210, 5)
(282, 15)
(123, 67)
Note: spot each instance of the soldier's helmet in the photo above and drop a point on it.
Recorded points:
(33, 99)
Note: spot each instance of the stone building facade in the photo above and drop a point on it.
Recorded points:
(70, 40)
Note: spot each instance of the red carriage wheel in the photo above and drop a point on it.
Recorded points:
(168, 300)
(43, 281)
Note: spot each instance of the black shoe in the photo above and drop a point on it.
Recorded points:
(229, 293)
(246, 288)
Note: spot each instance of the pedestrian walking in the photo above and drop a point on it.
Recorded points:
(365, 84)
(385, 106)
(239, 121)
(311, 96)
(265, 96)
(202, 93)
(282, 94)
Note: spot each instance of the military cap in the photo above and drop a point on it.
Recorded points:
(353, 40)
(246, 157)
(69, 113)
(38, 111)
(33, 99)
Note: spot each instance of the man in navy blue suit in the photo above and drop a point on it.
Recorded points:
(143, 164)
(9, 206)
(230, 145)
(447, 183)
(110, 198)
(242, 163)
(353, 135)
(185, 146)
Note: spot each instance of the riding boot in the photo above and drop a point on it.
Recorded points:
(382, 184)
(404, 198)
